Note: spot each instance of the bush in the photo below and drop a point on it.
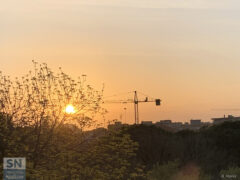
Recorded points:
(163, 172)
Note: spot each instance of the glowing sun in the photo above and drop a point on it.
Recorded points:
(70, 109)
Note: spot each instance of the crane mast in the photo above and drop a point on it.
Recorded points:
(136, 108)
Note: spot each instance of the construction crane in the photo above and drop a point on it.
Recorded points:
(136, 102)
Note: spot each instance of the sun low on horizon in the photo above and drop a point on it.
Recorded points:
(70, 109)
(184, 52)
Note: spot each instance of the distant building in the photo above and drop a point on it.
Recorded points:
(195, 122)
(177, 125)
(207, 123)
(165, 122)
(225, 119)
(148, 123)
(166, 125)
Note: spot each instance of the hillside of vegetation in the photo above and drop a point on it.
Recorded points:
(211, 150)
(135, 152)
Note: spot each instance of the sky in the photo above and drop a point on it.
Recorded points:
(185, 52)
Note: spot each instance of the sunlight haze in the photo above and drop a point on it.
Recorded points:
(183, 52)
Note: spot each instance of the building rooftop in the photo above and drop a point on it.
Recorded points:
(223, 119)
(228, 117)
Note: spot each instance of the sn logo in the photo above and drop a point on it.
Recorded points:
(14, 163)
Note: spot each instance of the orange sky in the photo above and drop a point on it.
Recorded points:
(184, 52)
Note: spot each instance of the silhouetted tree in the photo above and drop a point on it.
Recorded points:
(35, 104)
